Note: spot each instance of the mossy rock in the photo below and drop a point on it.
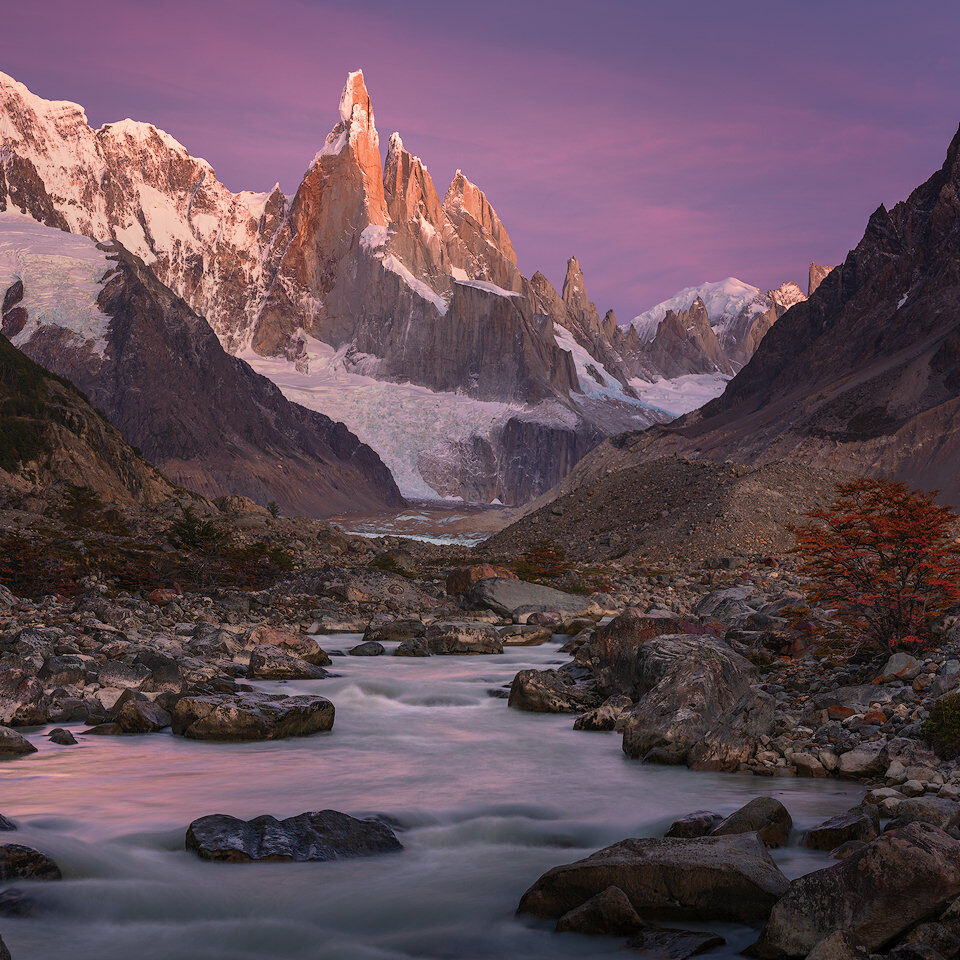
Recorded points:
(942, 730)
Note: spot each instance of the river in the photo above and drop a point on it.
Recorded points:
(486, 799)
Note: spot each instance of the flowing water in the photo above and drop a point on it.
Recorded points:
(485, 798)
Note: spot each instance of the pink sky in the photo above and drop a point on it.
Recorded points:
(663, 145)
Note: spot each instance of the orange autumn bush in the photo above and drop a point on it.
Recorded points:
(886, 557)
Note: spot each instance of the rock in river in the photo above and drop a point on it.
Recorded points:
(274, 663)
(550, 691)
(18, 862)
(766, 816)
(875, 894)
(606, 914)
(860, 823)
(250, 716)
(13, 744)
(463, 637)
(709, 878)
(324, 835)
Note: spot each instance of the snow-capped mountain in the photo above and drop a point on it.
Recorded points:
(366, 278)
(738, 313)
(94, 314)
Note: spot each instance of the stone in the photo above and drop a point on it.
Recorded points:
(517, 599)
(4, 952)
(805, 764)
(609, 913)
(295, 644)
(275, 663)
(938, 811)
(161, 597)
(605, 716)
(18, 862)
(414, 647)
(859, 823)
(139, 716)
(463, 637)
(22, 701)
(462, 579)
(368, 648)
(699, 705)
(323, 835)
(525, 635)
(665, 944)
(13, 744)
(550, 691)
(250, 716)
(6, 824)
(900, 666)
(394, 631)
(866, 760)
(126, 676)
(875, 894)
(697, 824)
(708, 878)
(61, 737)
(765, 816)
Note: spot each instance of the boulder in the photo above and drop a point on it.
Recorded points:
(463, 637)
(525, 635)
(414, 647)
(460, 580)
(517, 599)
(126, 676)
(550, 691)
(607, 914)
(665, 944)
(13, 744)
(605, 716)
(324, 835)
(697, 824)
(368, 648)
(4, 952)
(612, 653)
(765, 816)
(165, 673)
(139, 716)
(6, 824)
(22, 701)
(61, 737)
(708, 878)
(860, 823)
(275, 663)
(875, 894)
(396, 630)
(866, 760)
(838, 946)
(726, 604)
(938, 811)
(250, 716)
(296, 644)
(900, 666)
(699, 701)
(18, 862)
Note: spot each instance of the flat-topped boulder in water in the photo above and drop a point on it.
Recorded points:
(251, 716)
(518, 599)
(323, 835)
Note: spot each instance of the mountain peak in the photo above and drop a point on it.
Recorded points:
(355, 100)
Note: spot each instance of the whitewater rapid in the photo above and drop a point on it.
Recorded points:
(484, 799)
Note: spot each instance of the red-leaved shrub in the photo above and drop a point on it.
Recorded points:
(886, 557)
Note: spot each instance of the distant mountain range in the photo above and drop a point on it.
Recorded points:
(363, 296)
(863, 376)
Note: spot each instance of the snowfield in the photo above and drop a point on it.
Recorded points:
(62, 275)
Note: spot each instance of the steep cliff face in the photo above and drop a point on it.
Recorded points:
(95, 315)
(864, 375)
